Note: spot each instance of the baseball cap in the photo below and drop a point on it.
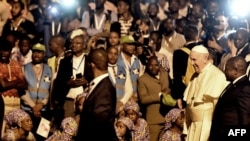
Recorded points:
(39, 47)
(128, 39)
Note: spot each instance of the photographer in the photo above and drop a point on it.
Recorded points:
(218, 39)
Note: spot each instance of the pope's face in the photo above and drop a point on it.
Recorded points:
(198, 60)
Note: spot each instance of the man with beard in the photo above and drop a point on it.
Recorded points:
(171, 41)
(151, 85)
(38, 76)
(128, 65)
(18, 23)
(96, 21)
(155, 22)
(173, 9)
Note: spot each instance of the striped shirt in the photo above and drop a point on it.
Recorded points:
(125, 25)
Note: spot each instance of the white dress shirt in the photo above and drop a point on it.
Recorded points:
(78, 67)
(95, 82)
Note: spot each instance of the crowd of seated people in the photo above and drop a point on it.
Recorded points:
(158, 51)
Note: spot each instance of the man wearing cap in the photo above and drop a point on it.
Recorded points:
(201, 95)
(12, 80)
(72, 75)
(129, 67)
(38, 76)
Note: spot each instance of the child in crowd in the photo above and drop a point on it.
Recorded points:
(25, 50)
(123, 128)
(141, 129)
(79, 106)
(174, 125)
(69, 129)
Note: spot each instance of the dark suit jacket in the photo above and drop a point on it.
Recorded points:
(180, 60)
(233, 108)
(98, 114)
(245, 51)
(61, 88)
(27, 26)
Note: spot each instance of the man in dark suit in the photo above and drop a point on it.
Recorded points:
(241, 41)
(233, 107)
(72, 77)
(180, 64)
(98, 114)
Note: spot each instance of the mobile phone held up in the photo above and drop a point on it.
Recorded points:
(79, 75)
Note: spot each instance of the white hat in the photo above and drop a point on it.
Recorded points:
(75, 33)
(200, 49)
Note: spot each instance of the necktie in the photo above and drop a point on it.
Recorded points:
(113, 68)
(88, 89)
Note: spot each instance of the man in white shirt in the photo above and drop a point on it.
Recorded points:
(96, 21)
(71, 77)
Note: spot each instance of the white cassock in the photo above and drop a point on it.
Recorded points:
(201, 96)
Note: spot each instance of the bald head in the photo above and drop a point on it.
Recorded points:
(58, 39)
(238, 63)
(99, 58)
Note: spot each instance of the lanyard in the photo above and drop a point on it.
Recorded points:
(76, 69)
(98, 26)
(53, 28)
(154, 27)
(18, 24)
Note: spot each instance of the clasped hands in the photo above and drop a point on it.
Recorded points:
(37, 109)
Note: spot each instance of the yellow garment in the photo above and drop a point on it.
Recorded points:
(190, 70)
(201, 96)
(52, 63)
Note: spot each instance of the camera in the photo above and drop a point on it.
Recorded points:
(209, 26)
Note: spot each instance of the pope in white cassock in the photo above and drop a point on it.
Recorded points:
(201, 95)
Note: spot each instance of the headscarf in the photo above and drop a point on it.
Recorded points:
(15, 116)
(131, 105)
(69, 129)
(127, 121)
(69, 126)
(171, 117)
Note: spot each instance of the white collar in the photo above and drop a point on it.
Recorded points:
(96, 80)
(237, 79)
(111, 65)
(79, 57)
(221, 36)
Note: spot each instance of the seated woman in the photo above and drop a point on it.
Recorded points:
(141, 129)
(69, 129)
(19, 126)
(174, 125)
